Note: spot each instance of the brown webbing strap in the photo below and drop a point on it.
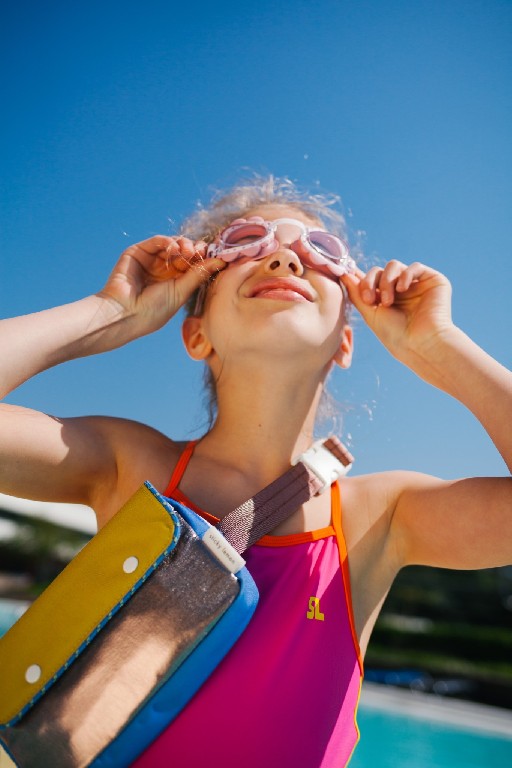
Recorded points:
(260, 514)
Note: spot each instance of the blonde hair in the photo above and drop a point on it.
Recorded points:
(225, 206)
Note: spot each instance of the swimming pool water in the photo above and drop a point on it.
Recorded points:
(10, 611)
(397, 741)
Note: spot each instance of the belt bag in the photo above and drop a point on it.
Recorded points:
(115, 647)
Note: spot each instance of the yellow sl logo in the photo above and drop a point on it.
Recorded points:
(314, 611)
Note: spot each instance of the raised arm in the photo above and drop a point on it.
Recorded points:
(69, 459)
(454, 524)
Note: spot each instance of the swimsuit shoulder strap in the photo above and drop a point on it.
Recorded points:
(180, 467)
(337, 522)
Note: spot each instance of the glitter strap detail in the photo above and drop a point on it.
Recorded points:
(260, 514)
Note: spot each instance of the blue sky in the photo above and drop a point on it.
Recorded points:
(119, 117)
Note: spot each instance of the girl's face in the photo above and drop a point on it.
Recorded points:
(275, 306)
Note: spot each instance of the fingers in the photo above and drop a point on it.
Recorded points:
(384, 285)
(378, 285)
(167, 258)
(181, 253)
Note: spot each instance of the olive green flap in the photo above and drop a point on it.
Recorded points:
(96, 582)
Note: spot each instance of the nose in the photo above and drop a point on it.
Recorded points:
(284, 261)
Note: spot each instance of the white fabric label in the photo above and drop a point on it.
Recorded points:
(223, 550)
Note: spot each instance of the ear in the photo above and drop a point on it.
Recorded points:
(343, 356)
(195, 339)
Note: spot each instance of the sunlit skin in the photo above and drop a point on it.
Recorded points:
(241, 327)
(270, 345)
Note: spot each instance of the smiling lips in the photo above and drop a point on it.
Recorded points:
(282, 288)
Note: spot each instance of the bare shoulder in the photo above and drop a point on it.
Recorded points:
(405, 518)
(140, 453)
(370, 502)
(368, 507)
(395, 519)
(93, 460)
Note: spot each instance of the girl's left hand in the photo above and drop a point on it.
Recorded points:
(407, 307)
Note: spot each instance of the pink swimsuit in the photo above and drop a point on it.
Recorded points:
(287, 693)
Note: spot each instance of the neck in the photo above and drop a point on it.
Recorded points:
(263, 420)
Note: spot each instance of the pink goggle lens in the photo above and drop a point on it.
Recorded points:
(243, 234)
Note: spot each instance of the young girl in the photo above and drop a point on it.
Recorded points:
(267, 313)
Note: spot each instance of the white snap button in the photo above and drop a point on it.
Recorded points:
(130, 564)
(33, 673)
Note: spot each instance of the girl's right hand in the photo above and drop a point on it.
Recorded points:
(155, 277)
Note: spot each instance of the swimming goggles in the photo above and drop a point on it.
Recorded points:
(255, 238)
